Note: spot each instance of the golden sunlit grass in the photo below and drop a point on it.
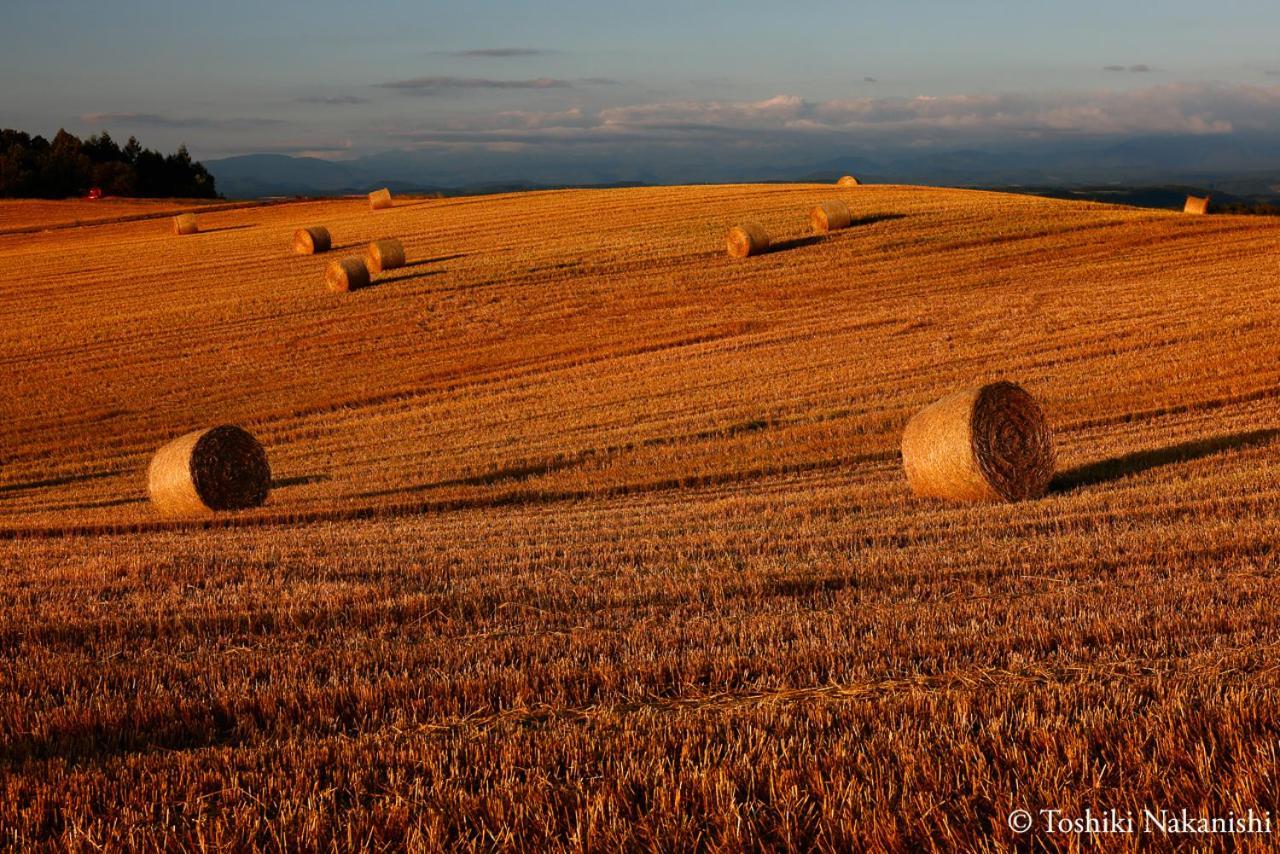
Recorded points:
(583, 533)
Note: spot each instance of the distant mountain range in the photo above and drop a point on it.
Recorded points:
(1238, 165)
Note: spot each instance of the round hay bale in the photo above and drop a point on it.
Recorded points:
(312, 241)
(848, 181)
(748, 239)
(990, 443)
(387, 254)
(1196, 205)
(346, 274)
(830, 216)
(380, 199)
(223, 468)
(185, 224)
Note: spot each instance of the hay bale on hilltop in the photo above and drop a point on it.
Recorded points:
(380, 199)
(747, 239)
(312, 241)
(223, 468)
(830, 216)
(1196, 205)
(848, 181)
(990, 443)
(185, 224)
(346, 274)
(386, 254)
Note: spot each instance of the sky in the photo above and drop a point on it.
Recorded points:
(337, 79)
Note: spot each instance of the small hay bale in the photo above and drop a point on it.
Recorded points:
(748, 239)
(386, 254)
(185, 224)
(223, 468)
(830, 216)
(312, 241)
(1196, 205)
(990, 443)
(848, 181)
(380, 199)
(346, 274)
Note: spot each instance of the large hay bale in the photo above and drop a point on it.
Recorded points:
(185, 224)
(223, 468)
(848, 181)
(983, 444)
(380, 199)
(346, 274)
(747, 239)
(830, 216)
(1196, 205)
(386, 254)
(312, 241)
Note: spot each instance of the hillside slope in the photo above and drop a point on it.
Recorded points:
(583, 529)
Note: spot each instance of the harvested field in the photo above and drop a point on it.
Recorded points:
(587, 535)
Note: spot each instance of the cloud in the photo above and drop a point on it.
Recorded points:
(322, 150)
(333, 100)
(600, 81)
(438, 85)
(870, 80)
(502, 52)
(155, 120)
(787, 120)
(1273, 73)
(1113, 68)
(1141, 68)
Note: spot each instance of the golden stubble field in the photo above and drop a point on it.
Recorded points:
(585, 535)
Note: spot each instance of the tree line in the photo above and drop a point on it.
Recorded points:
(34, 167)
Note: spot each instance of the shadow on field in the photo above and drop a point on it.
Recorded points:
(407, 277)
(793, 243)
(56, 481)
(874, 218)
(228, 228)
(509, 473)
(437, 260)
(299, 480)
(1141, 461)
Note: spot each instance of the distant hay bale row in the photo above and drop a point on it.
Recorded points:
(751, 239)
(223, 468)
(352, 274)
(830, 216)
(385, 254)
(747, 239)
(848, 181)
(185, 224)
(990, 443)
(312, 241)
(380, 199)
(1196, 205)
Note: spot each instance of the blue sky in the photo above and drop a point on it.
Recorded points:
(336, 78)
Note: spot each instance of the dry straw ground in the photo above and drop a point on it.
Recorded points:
(586, 534)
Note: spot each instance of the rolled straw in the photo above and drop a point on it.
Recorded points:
(223, 468)
(990, 443)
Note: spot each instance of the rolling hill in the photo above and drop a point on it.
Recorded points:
(584, 534)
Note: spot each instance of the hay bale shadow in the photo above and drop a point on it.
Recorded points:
(57, 481)
(228, 228)
(299, 480)
(874, 218)
(1115, 468)
(407, 277)
(793, 243)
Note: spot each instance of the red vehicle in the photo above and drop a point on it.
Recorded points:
(95, 193)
